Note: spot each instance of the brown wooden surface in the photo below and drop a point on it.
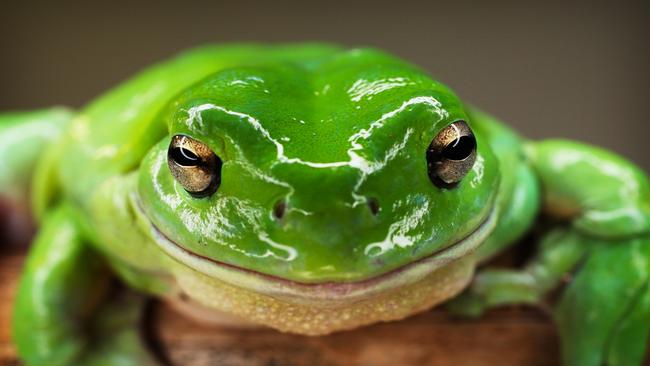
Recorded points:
(503, 338)
(514, 336)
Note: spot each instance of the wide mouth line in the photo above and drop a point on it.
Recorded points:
(274, 284)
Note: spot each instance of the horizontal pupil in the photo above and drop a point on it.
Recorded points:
(460, 148)
(184, 157)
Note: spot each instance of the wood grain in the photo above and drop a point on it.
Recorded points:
(10, 265)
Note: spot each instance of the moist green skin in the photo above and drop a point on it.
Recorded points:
(308, 135)
(325, 130)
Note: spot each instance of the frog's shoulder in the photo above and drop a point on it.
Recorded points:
(506, 144)
(111, 135)
(518, 197)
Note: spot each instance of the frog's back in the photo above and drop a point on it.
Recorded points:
(112, 134)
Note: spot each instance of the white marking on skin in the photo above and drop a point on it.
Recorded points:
(326, 89)
(292, 253)
(363, 88)
(356, 161)
(628, 191)
(171, 200)
(324, 293)
(478, 171)
(398, 232)
(253, 170)
(629, 186)
(628, 212)
(362, 164)
(367, 167)
(390, 155)
(208, 222)
(247, 81)
(195, 118)
(194, 113)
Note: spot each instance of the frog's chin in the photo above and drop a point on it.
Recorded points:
(326, 292)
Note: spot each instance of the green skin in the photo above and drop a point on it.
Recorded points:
(325, 130)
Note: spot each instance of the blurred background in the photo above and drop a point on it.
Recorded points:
(551, 69)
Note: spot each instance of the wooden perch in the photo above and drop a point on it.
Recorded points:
(515, 336)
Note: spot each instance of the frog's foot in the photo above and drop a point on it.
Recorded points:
(493, 288)
(559, 252)
(62, 314)
(604, 314)
(115, 337)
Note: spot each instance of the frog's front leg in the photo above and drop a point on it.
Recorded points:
(24, 138)
(58, 312)
(558, 253)
(604, 314)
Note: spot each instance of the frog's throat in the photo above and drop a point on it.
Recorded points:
(325, 293)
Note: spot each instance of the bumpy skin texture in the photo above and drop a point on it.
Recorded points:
(337, 138)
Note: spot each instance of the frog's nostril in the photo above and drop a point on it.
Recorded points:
(279, 209)
(373, 205)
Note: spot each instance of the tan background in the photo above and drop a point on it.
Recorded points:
(578, 70)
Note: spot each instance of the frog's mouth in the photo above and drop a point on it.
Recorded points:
(326, 292)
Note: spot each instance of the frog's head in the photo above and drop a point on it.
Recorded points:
(344, 178)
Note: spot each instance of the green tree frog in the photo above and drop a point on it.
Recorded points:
(312, 189)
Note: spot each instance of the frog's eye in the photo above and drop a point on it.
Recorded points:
(451, 154)
(194, 166)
